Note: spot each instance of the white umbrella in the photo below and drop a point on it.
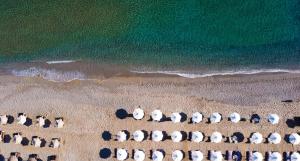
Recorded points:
(157, 156)
(177, 155)
(175, 117)
(197, 155)
(215, 117)
(13, 158)
(197, 136)
(22, 119)
(157, 135)
(176, 136)
(197, 117)
(156, 115)
(121, 136)
(273, 118)
(216, 137)
(59, 123)
(256, 138)
(216, 156)
(18, 138)
(122, 154)
(3, 119)
(55, 143)
(294, 138)
(138, 135)
(41, 121)
(274, 138)
(138, 114)
(256, 156)
(295, 156)
(275, 156)
(235, 117)
(36, 142)
(139, 155)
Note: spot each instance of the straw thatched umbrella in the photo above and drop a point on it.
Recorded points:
(18, 138)
(294, 139)
(157, 156)
(197, 155)
(156, 115)
(273, 119)
(197, 117)
(36, 142)
(215, 117)
(256, 156)
(256, 138)
(40, 120)
(121, 136)
(157, 135)
(175, 117)
(138, 114)
(59, 122)
(177, 155)
(139, 155)
(122, 154)
(138, 135)
(216, 137)
(295, 156)
(22, 117)
(176, 136)
(3, 119)
(216, 156)
(235, 117)
(274, 138)
(275, 156)
(55, 143)
(197, 136)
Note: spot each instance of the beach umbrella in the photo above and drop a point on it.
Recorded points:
(176, 136)
(273, 118)
(59, 122)
(294, 138)
(41, 121)
(256, 156)
(197, 117)
(215, 117)
(235, 117)
(175, 117)
(177, 155)
(216, 137)
(13, 158)
(121, 136)
(274, 138)
(157, 135)
(197, 155)
(156, 115)
(216, 156)
(295, 156)
(55, 143)
(157, 156)
(122, 154)
(138, 114)
(139, 155)
(197, 136)
(36, 142)
(275, 156)
(3, 119)
(256, 138)
(18, 138)
(138, 135)
(22, 118)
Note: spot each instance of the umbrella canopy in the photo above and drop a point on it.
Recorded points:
(256, 138)
(295, 156)
(294, 138)
(157, 156)
(216, 156)
(274, 138)
(3, 119)
(197, 136)
(196, 155)
(13, 158)
(59, 123)
(235, 117)
(22, 119)
(121, 136)
(18, 138)
(138, 113)
(41, 121)
(177, 155)
(216, 137)
(156, 115)
(215, 117)
(36, 142)
(175, 117)
(139, 155)
(197, 117)
(257, 156)
(275, 156)
(157, 135)
(273, 118)
(122, 154)
(138, 135)
(55, 143)
(176, 136)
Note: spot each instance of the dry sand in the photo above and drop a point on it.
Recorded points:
(89, 109)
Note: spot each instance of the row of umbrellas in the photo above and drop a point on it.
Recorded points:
(196, 155)
(197, 117)
(16, 156)
(197, 136)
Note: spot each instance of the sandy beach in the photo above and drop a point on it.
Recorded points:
(89, 109)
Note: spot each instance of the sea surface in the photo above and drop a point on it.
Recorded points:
(190, 38)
